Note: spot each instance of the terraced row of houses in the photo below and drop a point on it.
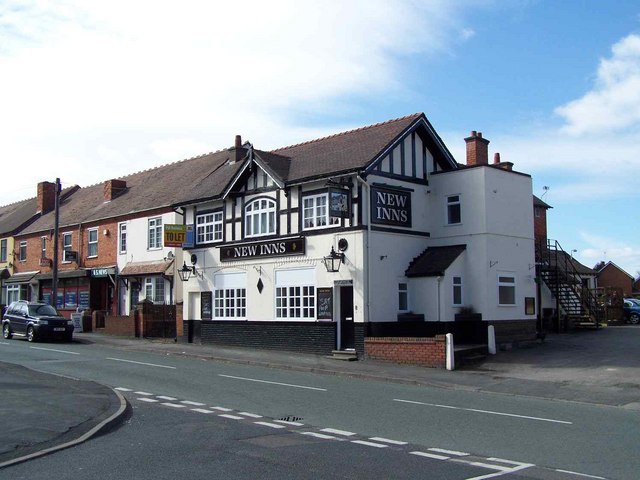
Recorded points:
(313, 247)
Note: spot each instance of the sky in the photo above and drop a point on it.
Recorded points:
(96, 90)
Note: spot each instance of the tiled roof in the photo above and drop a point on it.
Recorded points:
(15, 215)
(434, 261)
(146, 268)
(537, 202)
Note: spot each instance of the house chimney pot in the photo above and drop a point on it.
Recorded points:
(238, 141)
(496, 158)
(474, 133)
(477, 149)
(46, 197)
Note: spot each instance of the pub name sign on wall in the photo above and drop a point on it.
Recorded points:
(390, 206)
(274, 248)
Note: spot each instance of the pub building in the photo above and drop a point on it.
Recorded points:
(376, 231)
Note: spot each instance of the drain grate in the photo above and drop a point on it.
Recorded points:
(290, 418)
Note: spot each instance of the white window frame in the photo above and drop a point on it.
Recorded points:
(155, 286)
(262, 217)
(3, 250)
(230, 296)
(13, 293)
(503, 283)
(403, 296)
(315, 212)
(91, 243)
(454, 201)
(23, 251)
(43, 247)
(295, 295)
(154, 233)
(122, 238)
(66, 247)
(456, 285)
(209, 227)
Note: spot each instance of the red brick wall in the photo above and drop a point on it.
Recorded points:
(119, 325)
(611, 276)
(428, 352)
(540, 225)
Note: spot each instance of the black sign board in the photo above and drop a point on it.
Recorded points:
(84, 299)
(206, 305)
(390, 206)
(325, 303)
(271, 248)
(338, 203)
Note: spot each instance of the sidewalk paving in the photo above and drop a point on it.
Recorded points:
(43, 412)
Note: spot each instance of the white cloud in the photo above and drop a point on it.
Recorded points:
(614, 103)
(97, 89)
(604, 248)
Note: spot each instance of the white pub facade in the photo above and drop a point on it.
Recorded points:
(372, 232)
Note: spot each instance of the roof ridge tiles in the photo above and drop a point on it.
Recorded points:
(366, 127)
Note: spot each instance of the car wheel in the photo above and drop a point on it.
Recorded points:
(31, 334)
(6, 332)
(634, 318)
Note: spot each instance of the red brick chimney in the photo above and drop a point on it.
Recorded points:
(113, 188)
(46, 197)
(477, 149)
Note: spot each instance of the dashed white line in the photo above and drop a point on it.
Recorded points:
(580, 474)
(174, 405)
(222, 409)
(489, 412)
(268, 424)
(369, 444)
(320, 435)
(337, 432)
(490, 466)
(251, 415)
(232, 417)
(448, 452)
(164, 397)
(54, 350)
(201, 410)
(122, 389)
(143, 393)
(387, 440)
(149, 400)
(195, 404)
(293, 424)
(141, 363)
(430, 455)
(273, 383)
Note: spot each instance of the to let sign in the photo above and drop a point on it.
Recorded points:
(174, 235)
(390, 206)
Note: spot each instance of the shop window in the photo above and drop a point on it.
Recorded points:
(315, 212)
(209, 227)
(457, 291)
(260, 218)
(403, 297)
(155, 233)
(154, 290)
(506, 289)
(122, 237)
(296, 294)
(3, 250)
(23, 251)
(454, 215)
(93, 242)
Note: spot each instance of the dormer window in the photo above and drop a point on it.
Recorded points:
(260, 218)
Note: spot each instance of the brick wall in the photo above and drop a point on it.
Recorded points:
(119, 325)
(428, 352)
(540, 225)
(611, 276)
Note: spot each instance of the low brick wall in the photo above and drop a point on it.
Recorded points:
(123, 326)
(425, 351)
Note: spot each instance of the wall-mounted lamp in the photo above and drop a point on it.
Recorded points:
(333, 261)
(185, 272)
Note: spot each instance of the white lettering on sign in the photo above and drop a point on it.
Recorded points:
(392, 199)
(391, 207)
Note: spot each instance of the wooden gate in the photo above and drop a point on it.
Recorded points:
(159, 321)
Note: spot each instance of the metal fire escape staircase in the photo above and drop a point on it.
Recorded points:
(574, 300)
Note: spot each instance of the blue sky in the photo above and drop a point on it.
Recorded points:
(95, 90)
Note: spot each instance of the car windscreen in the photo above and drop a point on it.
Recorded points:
(37, 310)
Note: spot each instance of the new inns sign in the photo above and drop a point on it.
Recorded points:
(390, 206)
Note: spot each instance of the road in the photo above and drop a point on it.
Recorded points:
(202, 418)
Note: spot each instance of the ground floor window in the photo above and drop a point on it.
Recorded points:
(230, 296)
(16, 292)
(154, 290)
(457, 291)
(506, 289)
(296, 294)
(72, 293)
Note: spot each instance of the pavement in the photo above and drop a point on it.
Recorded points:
(42, 413)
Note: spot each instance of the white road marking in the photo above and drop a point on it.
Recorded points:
(122, 389)
(500, 468)
(337, 432)
(143, 393)
(273, 383)
(430, 455)
(494, 459)
(222, 409)
(164, 397)
(267, 424)
(579, 474)
(195, 404)
(174, 405)
(54, 350)
(141, 363)
(320, 435)
(201, 410)
(247, 414)
(4, 343)
(387, 440)
(520, 466)
(232, 417)
(490, 412)
(449, 452)
(150, 400)
(294, 424)
(369, 444)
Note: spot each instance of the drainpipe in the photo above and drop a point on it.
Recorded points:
(439, 280)
(366, 218)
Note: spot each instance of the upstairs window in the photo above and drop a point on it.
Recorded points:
(209, 227)
(315, 212)
(43, 247)
(3, 250)
(454, 216)
(260, 218)
(93, 243)
(23, 251)
(66, 245)
(122, 237)
(155, 233)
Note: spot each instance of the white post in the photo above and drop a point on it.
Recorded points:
(491, 334)
(449, 346)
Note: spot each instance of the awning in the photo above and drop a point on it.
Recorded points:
(139, 269)
(24, 277)
(65, 274)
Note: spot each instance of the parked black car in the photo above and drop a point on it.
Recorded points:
(35, 321)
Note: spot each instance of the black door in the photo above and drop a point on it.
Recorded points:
(347, 336)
